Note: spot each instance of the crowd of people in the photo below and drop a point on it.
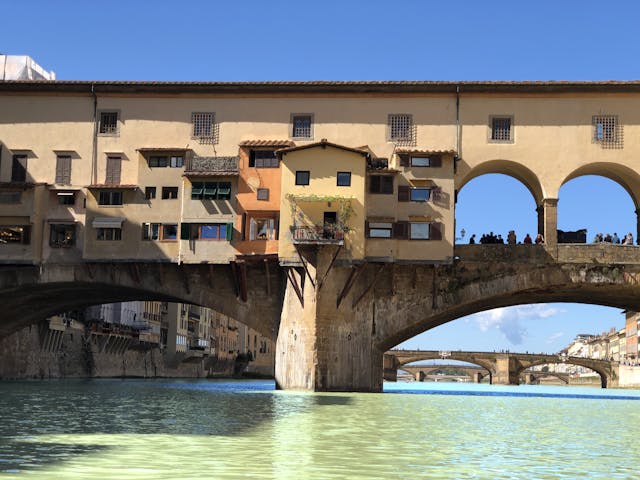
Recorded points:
(608, 238)
(491, 238)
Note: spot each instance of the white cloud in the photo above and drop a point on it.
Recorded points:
(554, 336)
(508, 320)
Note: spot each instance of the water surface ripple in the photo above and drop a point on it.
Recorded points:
(166, 429)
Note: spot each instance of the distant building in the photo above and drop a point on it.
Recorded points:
(23, 67)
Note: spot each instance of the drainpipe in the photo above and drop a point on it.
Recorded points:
(181, 220)
(458, 139)
(94, 152)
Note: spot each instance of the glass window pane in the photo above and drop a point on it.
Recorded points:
(420, 194)
(169, 232)
(419, 231)
(209, 232)
(420, 161)
(380, 233)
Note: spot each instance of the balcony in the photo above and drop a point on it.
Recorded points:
(212, 166)
(328, 234)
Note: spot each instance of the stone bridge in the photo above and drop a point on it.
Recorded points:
(505, 368)
(333, 321)
(420, 372)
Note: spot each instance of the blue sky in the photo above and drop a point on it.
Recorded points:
(373, 40)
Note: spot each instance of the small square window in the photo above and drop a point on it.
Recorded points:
(400, 128)
(419, 231)
(263, 194)
(302, 177)
(62, 235)
(380, 229)
(501, 129)
(344, 179)
(151, 231)
(66, 198)
(263, 159)
(150, 193)
(108, 123)
(169, 231)
(302, 126)
(169, 193)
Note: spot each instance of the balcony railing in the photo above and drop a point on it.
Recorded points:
(212, 166)
(319, 234)
(377, 163)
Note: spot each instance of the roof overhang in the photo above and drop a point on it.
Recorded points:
(112, 186)
(107, 222)
(321, 144)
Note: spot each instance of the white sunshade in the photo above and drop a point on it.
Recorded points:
(107, 222)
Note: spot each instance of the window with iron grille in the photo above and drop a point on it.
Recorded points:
(302, 126)
(400, 128)
(263, 159)
(607, 131)
(501, 129)
(108, 123)
(203, 125)
(263, 194)
(63, 169)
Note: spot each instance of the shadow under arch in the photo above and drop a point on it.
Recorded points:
(436, 356)
(573, 361)
(540, 374)
(469, 367)
(506, 167)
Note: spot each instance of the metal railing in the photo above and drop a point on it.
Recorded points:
(212, 165)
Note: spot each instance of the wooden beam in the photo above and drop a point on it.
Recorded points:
(294, 284)
(355, 272)
(268, 275)
(324, 277)
(369, 287)
(234, 278)
(243, 280)
(304, 264)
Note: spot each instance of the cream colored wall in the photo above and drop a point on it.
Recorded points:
(552, 135)
(323, 164)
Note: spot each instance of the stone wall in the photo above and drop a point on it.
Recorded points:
(21, 357)
(629, 376)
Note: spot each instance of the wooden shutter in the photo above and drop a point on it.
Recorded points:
(387, 185)
(26, 234)
(435, 231)
(243, 227)
(374, 184)
(366, 229)
(401, 230)
(252, 158)
(435, 161)
(185, 231)
(229, 231)
(277, 226)
(405, 160)
(63, 169)
(404, 192)
(114, 165)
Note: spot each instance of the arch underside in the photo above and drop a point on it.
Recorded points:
(578, 363)
(460, 358)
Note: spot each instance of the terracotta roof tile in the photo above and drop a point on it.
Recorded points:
(401, 151)
(267, 143)
(113, 186)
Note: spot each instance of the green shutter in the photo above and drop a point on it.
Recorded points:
(229, 231)
(185, 229)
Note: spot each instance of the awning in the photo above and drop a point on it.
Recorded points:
(66, 194)
(107, 222)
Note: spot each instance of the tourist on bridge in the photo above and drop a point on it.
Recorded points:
(472, 240)
(628, 239)
(511, 237)
(527, 240)
(599, 238)
(615, 239)
(539, 239)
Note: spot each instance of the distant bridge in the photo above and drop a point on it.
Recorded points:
(504, 368)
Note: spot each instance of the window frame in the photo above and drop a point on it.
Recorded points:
(112, 232)
(271, 161)
(166, 193)
(420, 189)
(10, 197)
(262, 194)
(164, 237)
(271, 228)
(408, 137)
(112, 198)
(63, 172)
(71, 227)
(102, 130)
(371, 226)
(302, 172)
(292, 126)
(211, 196)
(169, 161)
(198, 125)
(381, 185)
(338, 184)
(492, 129)
(151, 231)
(150, 192)
(427, 224)
(24, 238)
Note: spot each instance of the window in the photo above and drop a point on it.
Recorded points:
(262, 229)
(114, 167)
(109, 234)
(169, 231)
(66, 198)
(381, 184)
(301, 126)
(379, 229)
(344, 179)
(501, 129)
(62, 235)
(425, 231)
(108, 123)
(420, 194)
(606, 131)
(203, 125)
(15, 234)
(110, 198)
(151, 231)
(210, 190)
(164, 161)
(150, 193)
(206, 231)
(263, 194)
(10, 197)
(263, 159)
(169, 193)
(63, 169)
(400, 128)
(302, 177)
(19, 168)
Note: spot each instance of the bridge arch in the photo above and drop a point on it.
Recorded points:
(510, 168)
(605, 375)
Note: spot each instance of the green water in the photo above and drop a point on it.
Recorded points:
(154, 429)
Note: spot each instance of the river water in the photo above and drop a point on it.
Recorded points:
(157, 429)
